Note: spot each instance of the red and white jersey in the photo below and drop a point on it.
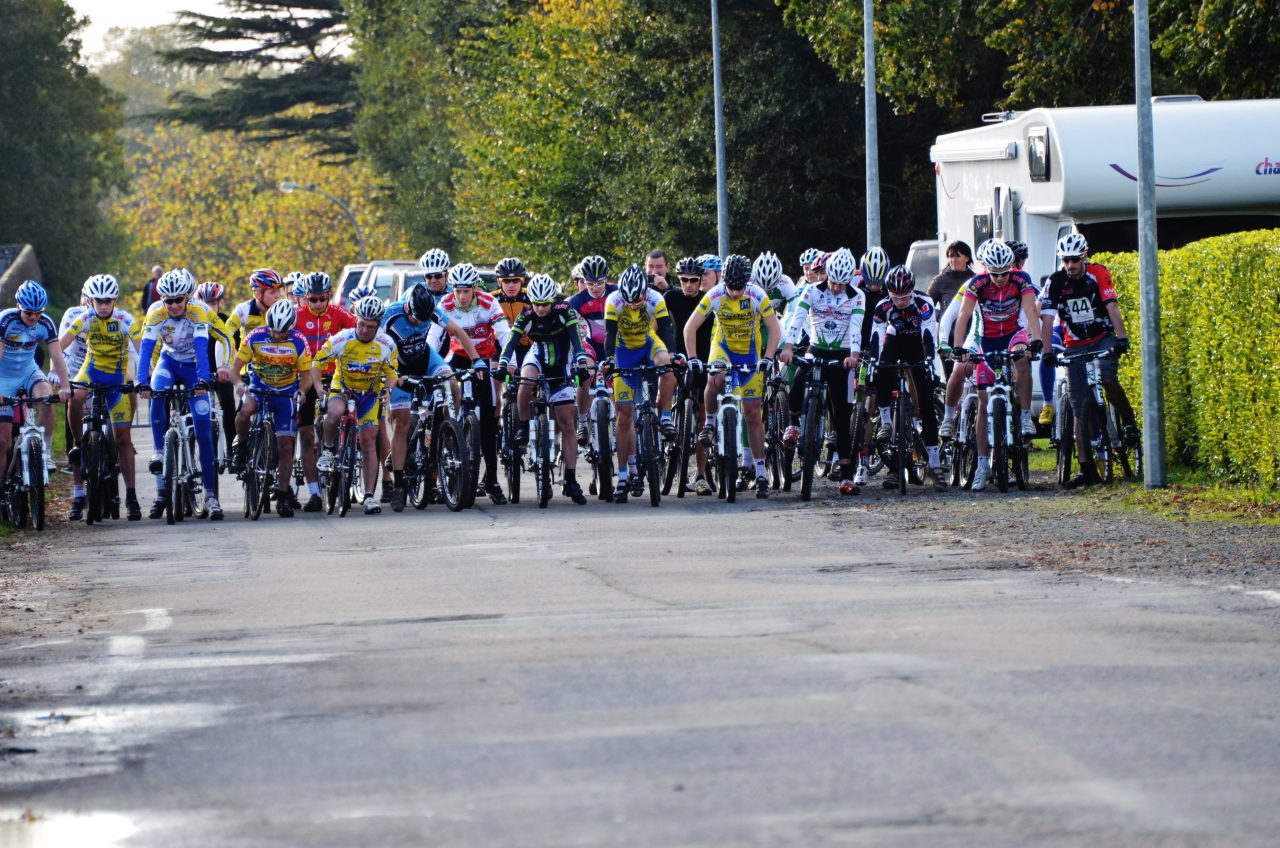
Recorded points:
(484, 321)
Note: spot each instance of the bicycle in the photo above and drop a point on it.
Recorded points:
(813, 411)
(729, 443)
(904, 454)
(438, 450)
(964, 448)
(511, 458)
(779, 453)
(602, 421)
(345, 481)
(26, 476)
(1108, 445)
(1008, 445)
(544, 449)
(99, 463)
(468, 416)
(261, 456)
(183, 490)
(650, 457)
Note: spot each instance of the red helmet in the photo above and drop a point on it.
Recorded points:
(265, 278)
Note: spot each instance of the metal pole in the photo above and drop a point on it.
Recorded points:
(722, 186)
(1153, 442)
(364, 257)
(873, 147)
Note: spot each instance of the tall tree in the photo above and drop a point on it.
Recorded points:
(58, 144)
(297, 81)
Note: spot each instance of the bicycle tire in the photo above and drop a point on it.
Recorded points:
(17, 498)
(172, 487)
(1066, 426)
(902, 441)
(514, 463)
(1019, 455)
(542, 444)
(255, 476)
(773, 427)
(35, 487)
(604, 450)
(343, 471)
(92, 469)
(453, 464)
(809, 440)
(672, 450)
(729, 457)
(999, 448)
(415, 476)
(648, 435)
(471, 435)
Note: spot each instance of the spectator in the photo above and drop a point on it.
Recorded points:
(655, 265)
(149, 295)
(943, 288)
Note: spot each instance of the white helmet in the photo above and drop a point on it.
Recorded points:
(766, 270)
(633, 283)
(841, 267)
(1072, 244)
(542, 289)
(175, 283)
(434, 261)
(464, 274)
(370, 308)
(101, 287)
(995, 255)
(875, 266)
(281, 316)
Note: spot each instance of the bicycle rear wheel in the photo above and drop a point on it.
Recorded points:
(649, 446)
(999, 449)
(542, 444)
(810, 437)
(604, 449)
(729, 455)
(453, 464)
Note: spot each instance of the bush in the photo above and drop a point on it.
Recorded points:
(1220, 326)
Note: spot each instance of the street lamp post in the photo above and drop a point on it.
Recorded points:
(289, 185)
(722, 177)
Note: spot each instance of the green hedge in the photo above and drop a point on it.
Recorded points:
(1220, 326)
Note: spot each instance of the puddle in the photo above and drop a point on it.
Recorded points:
(34, 829)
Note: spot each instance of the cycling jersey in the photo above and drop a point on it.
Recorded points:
(917, 320)
(316, 329)
(783, 293)
(1080, 304)
(245, 317)
(484, 322)
(591, 312)
(73, 353)
(998, 304)
(738, 317)
(274, 364)
(871, 301)
(633, 327)
(412, 341)
(183, 339)
(20, 342)
(554, 337)
(108, 341)
(833, 321)
(360, 366)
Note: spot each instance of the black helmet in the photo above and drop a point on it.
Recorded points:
(1020, 249)
(511, 267)
(594, 268)
(421, 303)
(737, 272)
(900, 280)
(318, 282)
(688, 267)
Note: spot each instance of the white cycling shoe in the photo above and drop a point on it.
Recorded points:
(860, 476)
(947, 429)
(980, 477)
(325, 460)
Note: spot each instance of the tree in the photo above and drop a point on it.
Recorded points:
(58, 144)
(134, 67)
(297, 84)
(210, 201)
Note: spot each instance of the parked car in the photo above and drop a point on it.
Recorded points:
(923, 260)
(382, 272)
(348, 277)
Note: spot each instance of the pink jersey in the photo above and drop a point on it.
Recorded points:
(999, 304)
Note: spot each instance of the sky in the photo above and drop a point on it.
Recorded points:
(105, 14)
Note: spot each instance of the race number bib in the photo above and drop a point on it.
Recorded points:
(1080, 310)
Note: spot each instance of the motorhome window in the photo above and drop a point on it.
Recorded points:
(981, 226)
(1038, 154)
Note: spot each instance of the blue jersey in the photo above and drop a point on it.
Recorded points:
(20, 342)
(412, 345)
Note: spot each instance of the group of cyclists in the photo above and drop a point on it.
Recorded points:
(293, 349)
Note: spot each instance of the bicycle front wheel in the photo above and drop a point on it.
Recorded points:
(999, 448)
(255, 476)
(603, 438)
(542, 444)
(729, 455)
(810, 438)
(453, 464)
(176, 507)
(471, 436)
(344, 476)
(1065, 425)
(649, 446)
(510, 421)
(902, 441)
(93, 469)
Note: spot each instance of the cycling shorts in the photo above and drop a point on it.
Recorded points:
(117, 402)
(27, 383)
(567, 392)
(1078, 371)
(624, 388)
(750, 386)
(307, 413)
(283, 413)
(982, 373)
(368, 408)
(401, 399)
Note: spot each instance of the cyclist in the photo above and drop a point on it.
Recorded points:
(590, 306)
(552, 327)
(638, 331)
(711, 268)
(1082, 299)
(22, 329)
(806, 265)
(766, 272)
(108, 335)
(479, 315)
(181, 328)
(742, 309)
(364, 360)
(318, 320)
(831, 312)
(294, 286)
(872, 270)
(73, 355)
(681, 301)
(214, 295)
(999, 295)
(905, 330)
(408, 323)
(277, 357)
(265, 284)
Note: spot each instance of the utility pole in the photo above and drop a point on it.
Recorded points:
(873, 146)
(722, 186)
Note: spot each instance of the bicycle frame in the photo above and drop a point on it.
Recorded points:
(730, 440)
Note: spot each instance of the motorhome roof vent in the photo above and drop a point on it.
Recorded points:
(998, 117)
(1178, 98)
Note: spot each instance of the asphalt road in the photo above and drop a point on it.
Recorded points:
(758, 674)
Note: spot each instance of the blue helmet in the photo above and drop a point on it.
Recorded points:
(711, 262)
(31, 296)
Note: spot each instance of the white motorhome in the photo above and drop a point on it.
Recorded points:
(1037, 175)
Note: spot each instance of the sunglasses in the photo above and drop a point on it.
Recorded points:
(505, 280)
(437, 276)
(690, 279)
(170, 301)
(323, 299)
(1073, 259)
